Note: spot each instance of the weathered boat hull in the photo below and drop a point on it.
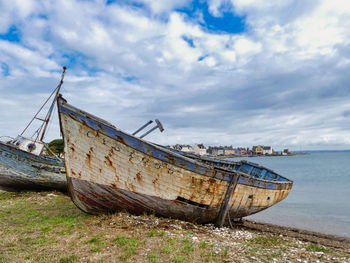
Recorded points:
(109, 170)
(20, 170)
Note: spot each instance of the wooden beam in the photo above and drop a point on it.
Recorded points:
(225, 203)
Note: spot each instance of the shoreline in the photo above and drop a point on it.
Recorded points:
(306, 235)
(251, 156)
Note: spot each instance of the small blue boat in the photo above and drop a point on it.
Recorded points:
(25, 163)
(25, 170)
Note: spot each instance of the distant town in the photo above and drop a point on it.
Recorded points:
(230, 151)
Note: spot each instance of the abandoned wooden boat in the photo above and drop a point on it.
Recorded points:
(25, 163)
(109, 170)
(22, 169)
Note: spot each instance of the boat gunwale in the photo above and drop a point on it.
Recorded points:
(227, 169)
(254, 165)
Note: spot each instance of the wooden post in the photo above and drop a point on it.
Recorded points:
(224, 205)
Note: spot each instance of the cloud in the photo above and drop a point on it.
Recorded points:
(282, 80)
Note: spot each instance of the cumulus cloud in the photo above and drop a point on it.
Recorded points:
(282, 81)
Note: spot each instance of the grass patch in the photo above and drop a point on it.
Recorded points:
(188, 232)
(204, 244)
(317, 248)
(274, 255)
(130, 245)
(152, 233)
(266, 242)
(187, 245)
(34, 222)
(121, 240)
(179, 259)
(225, 252)
(165, 250)
(284, 248)
(95, 249)
(152, 258)
(93, 240)
(171, 241)
(70, 259)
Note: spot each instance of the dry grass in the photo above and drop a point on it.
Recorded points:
(47, 227)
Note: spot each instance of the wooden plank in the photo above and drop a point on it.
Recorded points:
(225, 204)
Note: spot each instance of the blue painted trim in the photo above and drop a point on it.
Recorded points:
(27, 155)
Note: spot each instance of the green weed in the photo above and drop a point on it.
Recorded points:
(317, 248)
(121, 240)
(267, 241)
(273, 255)
(171, 241)
(69, 259)
(152, 258)
(152, 233)
(131, 246)
(179, 259)
(93, 240)
(187, 245)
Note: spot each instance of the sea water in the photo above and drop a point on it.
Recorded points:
(320, 197)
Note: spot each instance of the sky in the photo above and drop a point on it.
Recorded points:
(218, 72)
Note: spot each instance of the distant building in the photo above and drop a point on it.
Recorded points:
(267, 150)
(216, 150)
(258, 150)
(199, 149)
(183, 148)
(228, 150)
(262, 150)
(237, 151)
(242, 150)
(285, 152)
(177, 147)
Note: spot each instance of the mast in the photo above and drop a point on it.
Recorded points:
(48, 116)
(45, 121)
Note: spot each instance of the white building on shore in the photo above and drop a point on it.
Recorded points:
(267, 150)
(199, 149)
(183, 148)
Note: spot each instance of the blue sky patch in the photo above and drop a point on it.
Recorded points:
(125, 2)
(228, 22)
(202, 57)
(13, 35)
(43, 16)
(130, 78)
(79, 60)
(189, 41)
(5, 69)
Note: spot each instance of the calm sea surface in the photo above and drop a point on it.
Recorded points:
(320, 198)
